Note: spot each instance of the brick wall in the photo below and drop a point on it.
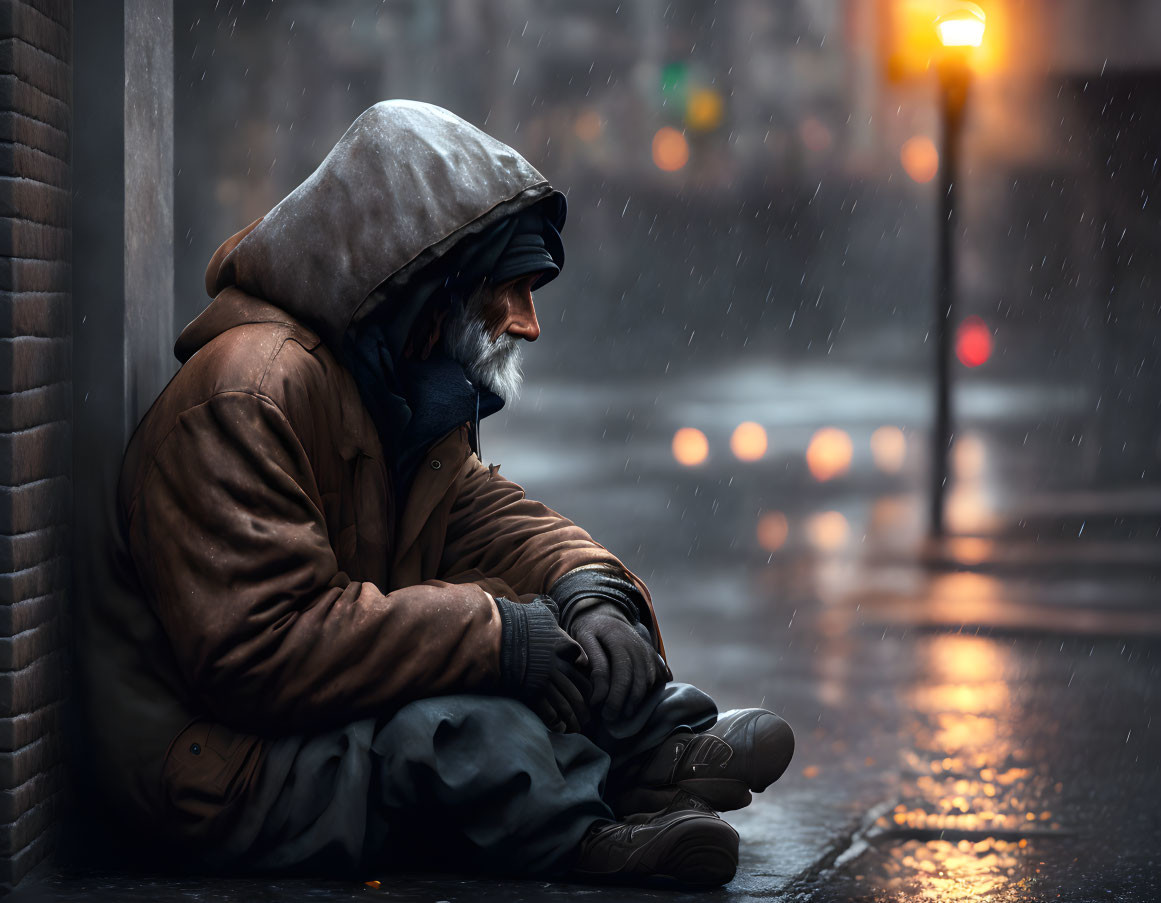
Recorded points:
(35, 413)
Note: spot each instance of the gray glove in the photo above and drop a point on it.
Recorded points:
(541, 665)
(623, 664)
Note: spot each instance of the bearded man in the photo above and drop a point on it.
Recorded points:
(339, 643)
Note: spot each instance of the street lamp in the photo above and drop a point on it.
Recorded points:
(962, 27)
(959, 30)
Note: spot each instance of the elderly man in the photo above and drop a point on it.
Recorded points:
(339, 642)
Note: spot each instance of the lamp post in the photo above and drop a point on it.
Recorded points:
(959, 31)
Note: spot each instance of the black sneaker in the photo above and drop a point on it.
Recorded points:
(747, 750)
(688, 847)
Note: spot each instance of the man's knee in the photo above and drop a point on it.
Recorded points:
(462, 719)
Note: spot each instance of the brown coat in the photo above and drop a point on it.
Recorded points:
(269, 584)
(294, 593)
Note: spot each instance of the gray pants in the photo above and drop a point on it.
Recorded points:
(468, 783)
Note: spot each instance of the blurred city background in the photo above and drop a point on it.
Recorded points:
(752, 231)
(735, 385)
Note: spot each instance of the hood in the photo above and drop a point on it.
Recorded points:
(405, 183)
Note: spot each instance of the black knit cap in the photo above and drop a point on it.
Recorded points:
(535, 245)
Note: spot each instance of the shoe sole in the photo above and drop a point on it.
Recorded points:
(697, 851)
(722, 794)
(704, 854)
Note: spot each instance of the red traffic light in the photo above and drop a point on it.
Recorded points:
(973, 342)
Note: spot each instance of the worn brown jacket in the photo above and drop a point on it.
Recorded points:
(267, 582)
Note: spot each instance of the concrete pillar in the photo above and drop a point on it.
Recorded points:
(148, 232)
(123, 215)
(124, 294)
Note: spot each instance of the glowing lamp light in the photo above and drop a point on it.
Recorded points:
(920, 158)
(889, 448)
(588, 126)
(670, 149)
(748, 442)
(828, 531)
(970, 550)
(773, 528)
(815, 135)
(969, 457)
(705, 110)
(973, 342)
(829, 454)
(690, 446)
(963, 27)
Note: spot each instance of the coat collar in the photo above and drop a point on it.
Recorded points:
(233, 307)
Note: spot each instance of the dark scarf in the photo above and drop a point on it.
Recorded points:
(441, 397)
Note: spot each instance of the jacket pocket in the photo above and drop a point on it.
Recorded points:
(207, 771)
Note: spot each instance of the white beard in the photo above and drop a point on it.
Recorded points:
(493, 365)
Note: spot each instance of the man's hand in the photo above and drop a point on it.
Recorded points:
(561, 703)
(541, 665)
(623, 664)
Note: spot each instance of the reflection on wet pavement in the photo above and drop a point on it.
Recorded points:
(972, 795)
(953, 872)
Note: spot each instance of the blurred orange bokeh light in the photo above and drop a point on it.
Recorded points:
(705, 110)
(829, 454)
(969, 457)
(588, 126)
(920, 159)
(748, 443)
(773, 529)
(690, 446)
(827, 531)
(670, 149)
(815, 135)
(888, 448)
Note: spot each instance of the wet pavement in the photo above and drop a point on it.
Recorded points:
(976, 719)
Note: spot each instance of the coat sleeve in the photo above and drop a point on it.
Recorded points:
(228, 535)
(495, 530)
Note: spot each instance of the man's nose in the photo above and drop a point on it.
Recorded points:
(522, 321)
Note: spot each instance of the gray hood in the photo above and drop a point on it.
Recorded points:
(405, 183)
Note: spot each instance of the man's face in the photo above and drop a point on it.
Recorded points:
(483, 334)
(510, 310)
